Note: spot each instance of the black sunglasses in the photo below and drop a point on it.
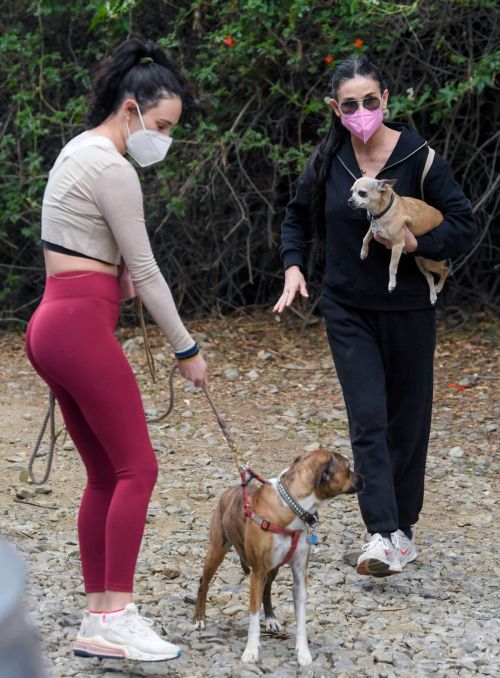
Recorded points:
(351, 106)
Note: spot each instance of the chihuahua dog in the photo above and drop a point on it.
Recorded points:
(270, 525)
(389, 213)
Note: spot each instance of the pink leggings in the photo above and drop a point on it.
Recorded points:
(71, 344)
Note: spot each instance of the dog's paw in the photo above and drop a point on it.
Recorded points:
(304, 656)
(273, 625)
(251, 655)
(392, 285)
(364, 254)
(200, 625)
(433, 298)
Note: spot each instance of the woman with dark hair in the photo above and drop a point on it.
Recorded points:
(93, 226)
(382, 344)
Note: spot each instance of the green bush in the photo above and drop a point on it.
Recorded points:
(261, 70)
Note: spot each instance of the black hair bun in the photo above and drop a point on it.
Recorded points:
(140, 69)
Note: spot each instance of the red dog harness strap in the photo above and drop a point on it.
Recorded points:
(247, 476)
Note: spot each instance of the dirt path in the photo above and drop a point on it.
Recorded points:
(280, 395)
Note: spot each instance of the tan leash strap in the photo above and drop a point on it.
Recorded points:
(49, 416)
(225, 430)
(218, 416)
(428, 162)
(155, 420)
(147, 346)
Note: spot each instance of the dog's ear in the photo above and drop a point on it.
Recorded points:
(384, 184)
(323, 475)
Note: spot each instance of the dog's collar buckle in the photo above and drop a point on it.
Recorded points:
(311, 518)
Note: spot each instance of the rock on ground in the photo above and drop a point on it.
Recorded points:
(279, 395)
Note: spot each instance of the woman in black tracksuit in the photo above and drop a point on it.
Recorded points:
(382, 343)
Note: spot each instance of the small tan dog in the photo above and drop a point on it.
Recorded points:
(389, 213)
(253, 519)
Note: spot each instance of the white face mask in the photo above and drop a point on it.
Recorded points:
(147, 146)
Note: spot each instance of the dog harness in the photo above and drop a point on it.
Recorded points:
(247, 475)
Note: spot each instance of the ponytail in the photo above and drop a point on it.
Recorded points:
(139, 69)
(317, 168)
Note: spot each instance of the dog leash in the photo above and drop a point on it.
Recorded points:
(246, 473)
(218, 416)
(49, 417)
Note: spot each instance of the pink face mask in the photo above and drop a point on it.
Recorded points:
(363, 124)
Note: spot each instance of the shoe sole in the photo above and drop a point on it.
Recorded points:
(375, 568)
(98, 647)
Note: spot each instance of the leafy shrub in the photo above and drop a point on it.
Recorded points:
(261, 70)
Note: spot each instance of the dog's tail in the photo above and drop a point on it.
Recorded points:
(244, 567)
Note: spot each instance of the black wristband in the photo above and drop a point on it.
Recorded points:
(188, 353)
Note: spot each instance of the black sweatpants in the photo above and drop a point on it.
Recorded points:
(384, 361)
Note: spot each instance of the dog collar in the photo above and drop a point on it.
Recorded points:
(309, 518)
(384, 211)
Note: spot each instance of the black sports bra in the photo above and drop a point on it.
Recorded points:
(52, 247)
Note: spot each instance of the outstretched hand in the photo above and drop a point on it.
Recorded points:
(294, 282)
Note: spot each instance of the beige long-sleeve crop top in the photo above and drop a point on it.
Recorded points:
(93, 205)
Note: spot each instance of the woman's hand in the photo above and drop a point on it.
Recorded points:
(195, 370)
(294, 282)
(411, 243)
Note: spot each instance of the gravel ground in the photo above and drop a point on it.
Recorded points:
(280, 396)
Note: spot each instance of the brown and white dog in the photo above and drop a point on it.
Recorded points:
(312, 479)
(389, 213)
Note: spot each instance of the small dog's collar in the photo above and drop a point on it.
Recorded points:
(384, 211)
(309, 518)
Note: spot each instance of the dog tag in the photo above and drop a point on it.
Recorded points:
(312, 538)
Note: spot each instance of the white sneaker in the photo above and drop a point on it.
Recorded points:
(379, 558)
(89, 625)
(87, 640)
(405, 547)
(127, 636)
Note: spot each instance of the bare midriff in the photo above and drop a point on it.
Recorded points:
(55, 263)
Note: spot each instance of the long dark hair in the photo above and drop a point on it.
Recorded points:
(139, 69)
(319, 162)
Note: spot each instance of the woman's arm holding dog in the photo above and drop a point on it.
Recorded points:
(456, 234)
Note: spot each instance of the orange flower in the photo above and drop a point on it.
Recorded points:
(329, 59)
(358, 43)
(229, 41)
(453, 385)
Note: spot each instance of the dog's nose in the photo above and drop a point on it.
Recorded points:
(350, 202)
(357, 483)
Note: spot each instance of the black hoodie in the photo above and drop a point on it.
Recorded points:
(359, 283)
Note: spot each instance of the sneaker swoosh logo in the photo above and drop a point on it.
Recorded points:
(403, 553)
